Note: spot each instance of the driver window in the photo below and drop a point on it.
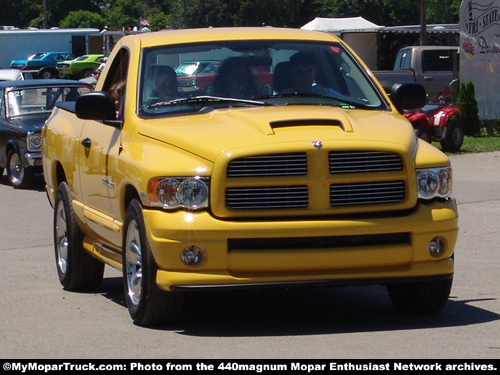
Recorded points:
(116, 81)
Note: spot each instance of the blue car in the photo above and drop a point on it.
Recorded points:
(42, 64)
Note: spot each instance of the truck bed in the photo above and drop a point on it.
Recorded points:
(388, 78)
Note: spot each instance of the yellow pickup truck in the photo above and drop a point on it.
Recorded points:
(291, 167)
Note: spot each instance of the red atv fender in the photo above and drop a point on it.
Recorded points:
(420, 123)
(441, 117)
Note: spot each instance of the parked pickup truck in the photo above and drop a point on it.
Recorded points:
(321, 182)
(430, 66)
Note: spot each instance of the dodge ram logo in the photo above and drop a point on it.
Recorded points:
(317, 144)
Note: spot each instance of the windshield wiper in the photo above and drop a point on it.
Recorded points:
(209, 99)
(354, 103)
(343, 100)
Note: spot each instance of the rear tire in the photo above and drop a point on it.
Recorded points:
(48, 74)
(86, 73)
(148, 305)
(76, 268)
(420, 297)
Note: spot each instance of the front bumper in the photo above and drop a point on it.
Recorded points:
(343, 250)
(34, 159)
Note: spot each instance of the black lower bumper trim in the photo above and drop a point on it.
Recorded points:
(320, 283)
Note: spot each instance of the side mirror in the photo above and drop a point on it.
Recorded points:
(408, 95)
(95, 105)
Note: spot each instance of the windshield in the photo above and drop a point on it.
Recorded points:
(35, 100)
(207, 76)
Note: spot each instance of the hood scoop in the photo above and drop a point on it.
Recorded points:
(306, 122)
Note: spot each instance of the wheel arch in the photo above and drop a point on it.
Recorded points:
(11, 145)
(129, 193)
(421, 122)
(60, 174)
(53, 178)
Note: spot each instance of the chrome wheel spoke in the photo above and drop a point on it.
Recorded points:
(61, 238)
(133, 263)
(16, 168)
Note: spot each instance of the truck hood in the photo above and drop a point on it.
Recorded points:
(226, 131)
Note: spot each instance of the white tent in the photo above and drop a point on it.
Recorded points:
(359, 33)
(341, 25)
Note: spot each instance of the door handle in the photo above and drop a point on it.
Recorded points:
(86, 142)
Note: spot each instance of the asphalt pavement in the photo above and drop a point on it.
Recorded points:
(41, 320)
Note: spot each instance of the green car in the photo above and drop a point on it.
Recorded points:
(81, 67)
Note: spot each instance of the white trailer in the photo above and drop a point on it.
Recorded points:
(480, 53)
(19, 44)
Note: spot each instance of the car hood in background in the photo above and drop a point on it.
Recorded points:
(29, 122)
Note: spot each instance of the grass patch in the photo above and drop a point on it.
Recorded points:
(476, 144)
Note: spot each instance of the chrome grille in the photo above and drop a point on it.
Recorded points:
(363, 161)
(276, 197)
(367, 193)
(294, 164)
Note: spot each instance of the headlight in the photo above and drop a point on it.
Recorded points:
(34, 142)
(434, 183)
(179, 192)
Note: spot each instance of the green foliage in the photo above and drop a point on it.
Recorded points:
(158, 20)
(443, 11)
(57, 10)
(82, 18)
(278, 13)
(19, 13)
(124, 13)
(468, 107)
(390, 12)
(201, 13)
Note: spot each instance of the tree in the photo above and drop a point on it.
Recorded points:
(290, 13)
(123, 13)
(57, 10)
(158, 20)
(19, 13)
(202, 13)
(82, 18)
(468, 108)
(443, 11)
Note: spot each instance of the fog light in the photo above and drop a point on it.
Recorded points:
(436, 246)
(191, 255)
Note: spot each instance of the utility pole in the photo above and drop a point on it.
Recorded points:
(44, 14)
(423, 22)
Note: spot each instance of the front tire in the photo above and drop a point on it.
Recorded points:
(424, 134)
(20, 177)
(76, 268)
(454, 136)
(148, 305)
(420, 297)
